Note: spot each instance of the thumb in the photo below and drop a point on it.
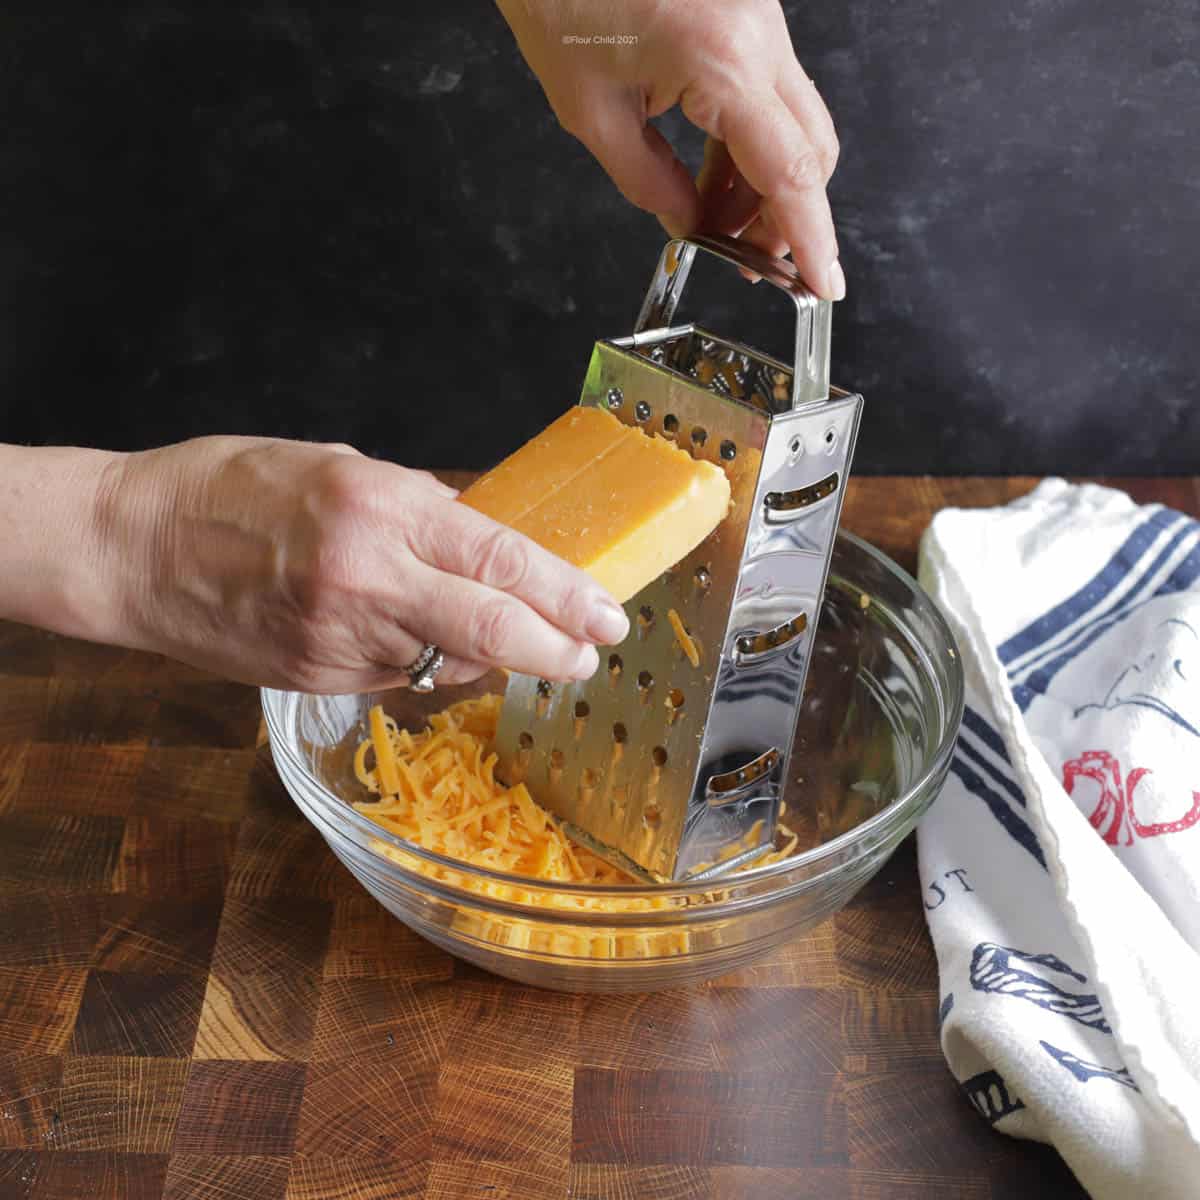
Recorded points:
(640, 161)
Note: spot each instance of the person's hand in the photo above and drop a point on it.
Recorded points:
(730, 66)
(312, 567)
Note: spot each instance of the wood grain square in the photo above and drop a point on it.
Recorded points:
(240, 1108)
(85, 780)
(272, 935)
(887, 1033)
(537, 1180)
(100, 1175)
(382, 1018)
(930, 1185)
(12, 771)
(25, 650)
(608, 1181)
(126, 1104)
(268, 797)
(708, 1117)
(190, 782)
(503, 1114)
(111, 666)
(265, 1016)
(53, 853)
(207, 713)
(807, 961)
(660, 1029)
(38, 1007)
(47, 930)
(780, 1183)
(95, 712)
(155, 935)
(223, 1177)
(161, 856)
(504, 1025)
(885, 956)
(143, 1016)
(366, 940)
(358, 1178)
(24, 707)
(796, 1030)
(913, 1120)
(368, 1107)
(18, 1173)
(29, 1086)
(286, 858)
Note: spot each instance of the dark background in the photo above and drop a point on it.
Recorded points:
(360, 222)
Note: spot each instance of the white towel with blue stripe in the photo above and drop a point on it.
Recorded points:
(1060, 866)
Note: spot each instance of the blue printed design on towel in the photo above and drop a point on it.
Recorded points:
(944, 1010)
(1165, 680)
(990, 1097)
(995, 968)
(1002, 778)
(1084, 1070)
(1182, 577)
(987, 735)
(1012, 823)
(1093, 593)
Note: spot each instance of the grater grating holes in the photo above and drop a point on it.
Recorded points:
(645, 620)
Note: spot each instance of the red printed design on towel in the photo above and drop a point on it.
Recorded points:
(1115, 817)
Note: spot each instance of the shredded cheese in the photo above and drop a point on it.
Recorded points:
(437, 789)
(686, 643)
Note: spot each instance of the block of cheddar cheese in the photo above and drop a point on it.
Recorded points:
(606, 497)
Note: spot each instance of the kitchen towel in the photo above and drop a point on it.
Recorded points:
(1060, 865)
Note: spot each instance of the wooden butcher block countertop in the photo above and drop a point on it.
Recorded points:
(198, 1002)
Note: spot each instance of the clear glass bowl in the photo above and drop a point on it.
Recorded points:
(874, 742)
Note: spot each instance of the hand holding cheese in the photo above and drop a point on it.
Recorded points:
(286, 564)
(294, 565)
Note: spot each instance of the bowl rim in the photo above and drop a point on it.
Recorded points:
(953, 701)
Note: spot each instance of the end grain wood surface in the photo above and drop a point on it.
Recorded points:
(197, 1002)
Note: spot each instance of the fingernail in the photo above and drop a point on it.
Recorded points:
(586, 663)
(837, 281)
(607, 623)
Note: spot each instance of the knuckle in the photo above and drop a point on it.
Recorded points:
(502, 560)
(803, 171)
(702, 107)
(829, 149)
(733, 37)
(493, 628)
(344, 487)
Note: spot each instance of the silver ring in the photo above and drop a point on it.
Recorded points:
(422, 672)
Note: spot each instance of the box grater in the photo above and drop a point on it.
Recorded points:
(672, 769)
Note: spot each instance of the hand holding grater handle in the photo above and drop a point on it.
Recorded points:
(671, 761)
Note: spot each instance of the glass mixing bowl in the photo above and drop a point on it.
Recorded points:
(873, 745)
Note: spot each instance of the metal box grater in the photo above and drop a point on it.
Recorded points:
(670, 769)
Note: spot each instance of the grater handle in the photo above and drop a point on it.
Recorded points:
(810, 375)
